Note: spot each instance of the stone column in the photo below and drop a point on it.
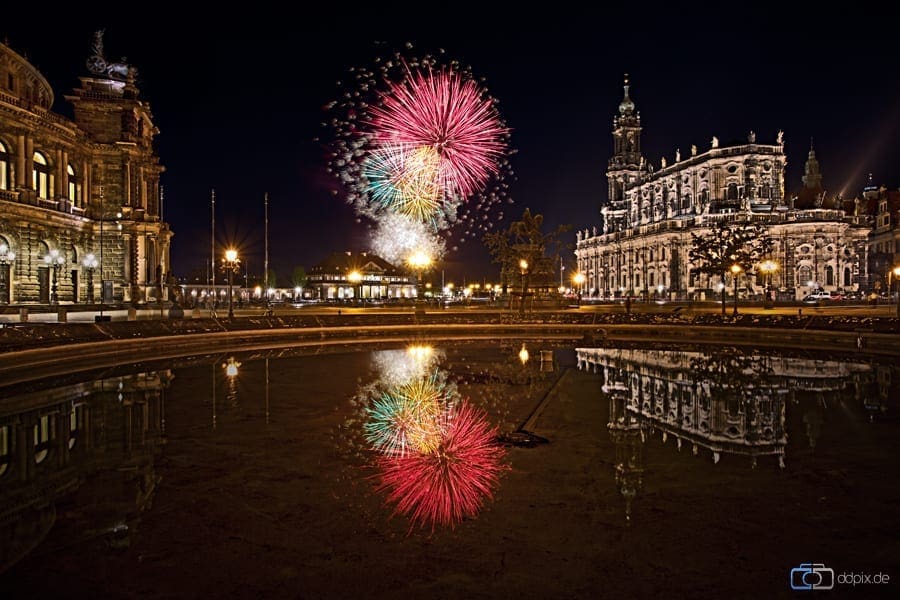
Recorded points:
(64, 176)
(20, 162)
(29, 163)
(58, 187)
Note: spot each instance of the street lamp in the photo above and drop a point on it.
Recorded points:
(897, 279)
(578, 279)
(355, 277)
(54, 260)
(768, 267)
(231, 264)
(735, 270)
(419, 261)
(90, 263)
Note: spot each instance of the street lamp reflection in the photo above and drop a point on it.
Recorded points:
(735, 271)
(523, 354)
(231, 367)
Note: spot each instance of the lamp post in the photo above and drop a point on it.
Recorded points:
(90, 263)
(578, 280)
(7, 257)
(54, 260)
(231, 264)
(735, 270)
(897, 279)
(419, 261)
(355, 277)
(768, 267)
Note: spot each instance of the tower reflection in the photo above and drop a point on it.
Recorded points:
(720, 403)
(98, 439)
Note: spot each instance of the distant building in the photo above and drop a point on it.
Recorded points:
(335, 278)
(884, 243)
(79, 200)
(642, 248)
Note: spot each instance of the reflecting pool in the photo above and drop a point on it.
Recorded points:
(456, 470)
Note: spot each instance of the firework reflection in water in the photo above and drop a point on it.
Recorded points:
(451, 483)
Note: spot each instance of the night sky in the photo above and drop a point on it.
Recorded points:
(239, 101)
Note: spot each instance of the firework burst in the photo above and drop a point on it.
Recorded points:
(420, 138)
(451, 483)
(407, 419)
(444, 111)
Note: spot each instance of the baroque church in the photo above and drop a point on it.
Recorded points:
(642, 246)
(80, 201)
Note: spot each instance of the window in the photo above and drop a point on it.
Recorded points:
(74, 192)
(10, 81)
(732, 193)
(4, 167)
(43, 437)
(829, 275)
(846, 276)
(41, 178)
(4, 449)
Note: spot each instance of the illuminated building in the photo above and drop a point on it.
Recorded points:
(63, 182)
(349, 275)
(643, 244)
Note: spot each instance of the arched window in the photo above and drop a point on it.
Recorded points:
(41, 177)
(44, 434)
(829, 275)
(804, 274)
(847, 277)
(74, 186)
(4, 167)
(732, 193)
(4, 449)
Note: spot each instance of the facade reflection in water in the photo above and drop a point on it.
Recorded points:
(723, 403)
(437, 455)
(97, 442)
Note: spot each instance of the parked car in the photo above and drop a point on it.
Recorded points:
(817, 297)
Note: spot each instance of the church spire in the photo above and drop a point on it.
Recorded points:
(626, 107)
(812, 177)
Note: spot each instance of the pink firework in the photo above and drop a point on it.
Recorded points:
(448, 112)
(450, 483)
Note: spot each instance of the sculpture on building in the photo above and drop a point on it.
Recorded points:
(98, 65)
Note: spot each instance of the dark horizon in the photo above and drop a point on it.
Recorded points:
(239, 106)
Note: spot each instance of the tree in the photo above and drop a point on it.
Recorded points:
(299, 278)
(521, 249)
(727, 244)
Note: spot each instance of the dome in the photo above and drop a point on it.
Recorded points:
(626, 107)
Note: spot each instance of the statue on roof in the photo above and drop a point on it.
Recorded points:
(98, 65)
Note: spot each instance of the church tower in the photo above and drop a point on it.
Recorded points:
(811, 194)
(626, 164)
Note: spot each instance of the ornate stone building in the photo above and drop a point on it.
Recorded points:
(643, 245)
(79, 200)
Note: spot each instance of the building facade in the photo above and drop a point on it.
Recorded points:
(80, 201)
(642, 247)
(362, 275)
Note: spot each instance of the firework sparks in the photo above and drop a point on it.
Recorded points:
(396, 237)
(419, 142)
(407, 418)
(451, 483)
(448, 113)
